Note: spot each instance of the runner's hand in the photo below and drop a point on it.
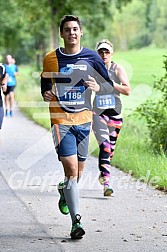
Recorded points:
(92, 84)
(48, 95)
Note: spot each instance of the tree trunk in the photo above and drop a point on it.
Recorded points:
(54, 29)
(54, 35)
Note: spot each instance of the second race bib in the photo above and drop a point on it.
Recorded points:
(105, 101)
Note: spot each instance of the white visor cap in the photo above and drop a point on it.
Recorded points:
(105, 46)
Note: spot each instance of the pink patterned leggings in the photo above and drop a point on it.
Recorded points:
(106, 129)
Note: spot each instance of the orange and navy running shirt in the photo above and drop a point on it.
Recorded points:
(65, 75)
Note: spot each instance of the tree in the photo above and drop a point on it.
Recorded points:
(31, 27)
(160, 34)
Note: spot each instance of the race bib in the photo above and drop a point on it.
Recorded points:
(72, 95)
(105, 101)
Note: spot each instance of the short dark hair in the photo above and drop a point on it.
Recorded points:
(68, 18)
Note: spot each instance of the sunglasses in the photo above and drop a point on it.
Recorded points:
(103, 52)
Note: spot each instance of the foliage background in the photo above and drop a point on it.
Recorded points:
(30, 28)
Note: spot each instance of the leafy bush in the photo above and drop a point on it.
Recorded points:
(155, 113)
(142, 40)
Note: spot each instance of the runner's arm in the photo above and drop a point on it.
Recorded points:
(46, 89)
(124, 88)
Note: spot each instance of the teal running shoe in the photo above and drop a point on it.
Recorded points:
(77, 230)
(107, 190)
(62, 202)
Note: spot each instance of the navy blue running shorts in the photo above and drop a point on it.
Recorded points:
(9, 89)
(71, 140)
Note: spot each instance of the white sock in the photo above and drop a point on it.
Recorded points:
(71, 193)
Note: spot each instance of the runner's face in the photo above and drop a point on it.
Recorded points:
(71, 33)
(105, 55)
(9, 59)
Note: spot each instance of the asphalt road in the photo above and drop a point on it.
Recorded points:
(134, 219)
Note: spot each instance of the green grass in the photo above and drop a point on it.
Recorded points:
(146, 63)
(133, 152)
(29, 99)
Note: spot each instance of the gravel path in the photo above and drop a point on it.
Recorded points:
(133, 219)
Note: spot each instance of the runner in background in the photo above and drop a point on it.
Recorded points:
(12, 72)
(107, 117)
(3, 87)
